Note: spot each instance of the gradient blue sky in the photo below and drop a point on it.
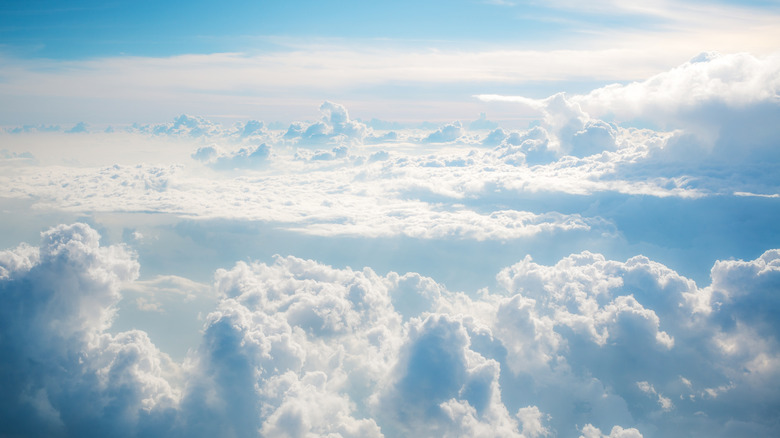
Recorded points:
(72, 30)
(148, 28)
(103, 61)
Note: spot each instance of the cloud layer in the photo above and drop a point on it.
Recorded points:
(298, 348)
(580, 341)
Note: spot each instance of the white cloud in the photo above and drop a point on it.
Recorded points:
(533, 422)
(346, 201)
(335, 127)
(298, 347)
(664, 402)
(716, 108)
(736, 80)
(446, 134)
(252, 157)
(61, 373)
(589, 431)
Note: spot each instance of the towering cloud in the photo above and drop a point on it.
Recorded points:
(62, 374)
(300, 348)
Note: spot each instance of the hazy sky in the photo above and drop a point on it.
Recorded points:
(368, 219)
(106, 62)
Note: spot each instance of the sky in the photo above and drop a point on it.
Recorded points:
(373, 219)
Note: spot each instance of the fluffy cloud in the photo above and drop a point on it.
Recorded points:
(715, 112)
(590, 431)
(245, 157)
(299, 348)
(446, 134)
(709, 79)
(348, 202)
(724, 103)
(184, 125)
(334, 127)
(62, 374)
(439, 386)
(580, 323)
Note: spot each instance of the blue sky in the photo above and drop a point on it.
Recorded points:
(97, 29)
(361, 219)
(102, 62)
(90, 29)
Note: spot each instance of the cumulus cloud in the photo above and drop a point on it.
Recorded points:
(184, 125)
(296, 347)
(251, 128)
(350, 201)
(446, 134)
(335, 126)
(710, 116)
(736, 80)
(62, 374)
(79, 127)
(590, 431)
(441, 387)
(244, 158)
(461, 364)
(723, 104)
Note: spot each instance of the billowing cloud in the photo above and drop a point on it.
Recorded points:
(62, 374)
(296, 347)
(591, 260)
(709, 79)
(446, 134)
(715, 110)
(251, 157)
(334, 127)
(348, 202)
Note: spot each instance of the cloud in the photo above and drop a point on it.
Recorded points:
(446, 134)
(566, 129)
(252, 127)
(735, 81)
(8, 158)
(334, 127)
(184, 125)
(722, 104)
(322, 155)
(441, 387)
(354, 200)
(244, 158)
(33, 128)
(482, 123)
(61, 373)
(592, 317)
(666, 404)
(319, 326)
(589, 431)
(714, 111)
(80, 127)
(299, 347)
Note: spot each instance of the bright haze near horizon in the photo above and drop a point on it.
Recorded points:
(388, 219)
